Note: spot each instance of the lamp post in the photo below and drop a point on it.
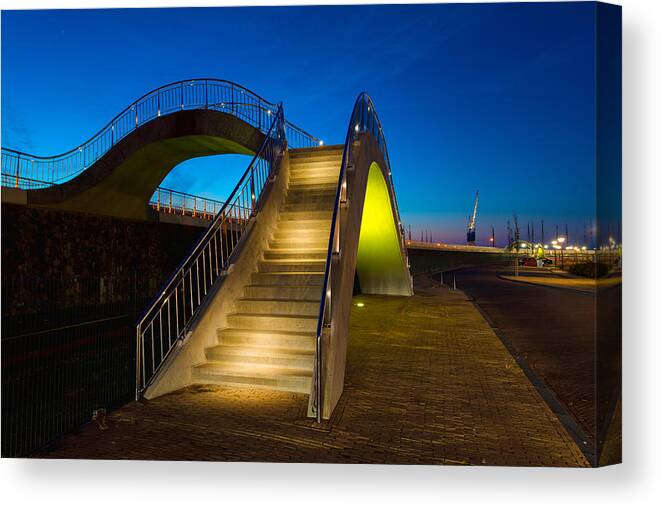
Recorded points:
(561, 240)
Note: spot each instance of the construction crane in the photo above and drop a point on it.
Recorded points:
(470, 234)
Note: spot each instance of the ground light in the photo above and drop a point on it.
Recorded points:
(360, 305)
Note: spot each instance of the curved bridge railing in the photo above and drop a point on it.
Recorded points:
(168, 318)
(364, 119)
(166, 200)
(26, 171)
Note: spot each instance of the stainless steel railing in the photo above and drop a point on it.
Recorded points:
(363, 120)
(27, 171)
(166, 200)
(168, 318)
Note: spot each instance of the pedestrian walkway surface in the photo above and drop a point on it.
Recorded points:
(562, 282)
(427, 382)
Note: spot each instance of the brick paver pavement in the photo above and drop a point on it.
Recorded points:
(427, 382)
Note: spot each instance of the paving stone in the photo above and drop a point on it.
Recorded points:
(427, 382)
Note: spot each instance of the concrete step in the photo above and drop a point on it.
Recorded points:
(314, 169)
(307, 206)
(272, 356)
(286, 265)
(301, 216)
(298, 192)
(322, 200)
(313, 180)
(278, 306)
(295, 253)
(298, 323)
(250, 376)
(317, 149)
(285, 292)
(267, 338)
(316, 162)
(332, 185)
(300, 243)
(299, 234)
(335, 151)
(303, 224)
(288, 278)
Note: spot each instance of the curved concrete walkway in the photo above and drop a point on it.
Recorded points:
(121, 182)
(427, 382)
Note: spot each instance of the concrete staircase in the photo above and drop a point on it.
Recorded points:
(270, 340)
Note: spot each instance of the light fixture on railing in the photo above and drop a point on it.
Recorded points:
(356, 128)
(321, 142)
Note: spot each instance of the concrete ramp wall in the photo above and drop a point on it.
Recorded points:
(178, 371)
(370, 246)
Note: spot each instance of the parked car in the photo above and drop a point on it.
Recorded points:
(528, 261)
(547, 262)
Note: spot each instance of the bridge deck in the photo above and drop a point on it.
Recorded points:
(427, 381)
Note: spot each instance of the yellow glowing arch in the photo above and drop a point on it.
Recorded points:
(380, 263)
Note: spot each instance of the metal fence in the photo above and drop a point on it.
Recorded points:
(65, 355)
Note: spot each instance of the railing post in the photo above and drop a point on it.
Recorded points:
(170, 202)
(194, 205)
(158, 102)
(259, 113)
(138, 361)
(317, 379)
(252, 193)
(158, 199)
(206, 94)
(182, 95)
(18, 168)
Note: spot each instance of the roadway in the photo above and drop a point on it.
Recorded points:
(553, 330)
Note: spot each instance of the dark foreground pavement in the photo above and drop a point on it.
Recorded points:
(553, 329)
(427, 382)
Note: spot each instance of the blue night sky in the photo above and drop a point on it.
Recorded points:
(498, 97)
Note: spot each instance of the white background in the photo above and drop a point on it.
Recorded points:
(636, 482)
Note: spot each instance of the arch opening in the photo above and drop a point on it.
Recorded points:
(380, 264)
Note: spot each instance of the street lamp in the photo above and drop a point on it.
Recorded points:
(561, 240)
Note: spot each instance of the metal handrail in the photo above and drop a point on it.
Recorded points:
(364, 119)
(166, 200)
(168, 318)
(203, 93)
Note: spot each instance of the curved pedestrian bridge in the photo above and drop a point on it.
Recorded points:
(263, 300)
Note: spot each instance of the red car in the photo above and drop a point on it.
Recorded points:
(528, 261)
